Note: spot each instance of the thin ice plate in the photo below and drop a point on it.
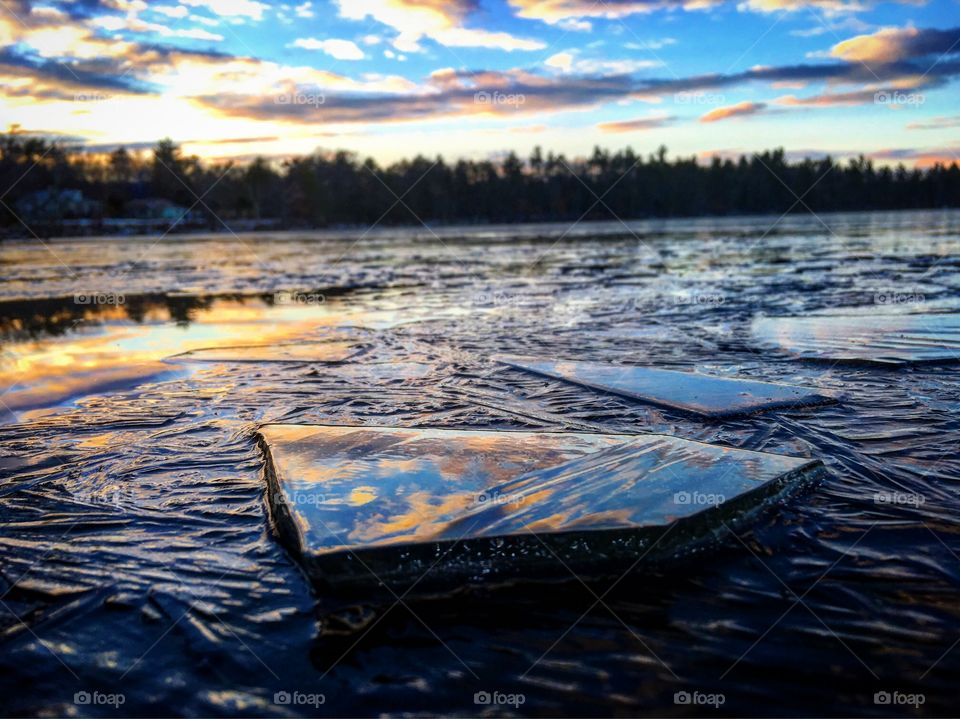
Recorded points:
(363, 505)
(892, 339)
(700, 394)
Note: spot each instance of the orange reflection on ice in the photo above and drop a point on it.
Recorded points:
(105, 349)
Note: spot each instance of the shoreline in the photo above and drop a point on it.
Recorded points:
(517, 230)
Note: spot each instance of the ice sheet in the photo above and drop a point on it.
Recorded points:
(361, 505)
(892, 339)
(700, 394)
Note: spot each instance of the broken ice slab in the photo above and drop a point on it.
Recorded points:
(893, 339)
(361, 506)
(293, 352)
(704, 395)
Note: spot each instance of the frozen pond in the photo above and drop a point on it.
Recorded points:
(137, 553)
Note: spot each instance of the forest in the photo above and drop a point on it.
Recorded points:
(46, 182)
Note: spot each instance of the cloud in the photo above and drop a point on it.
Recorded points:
(450, 93)
(641, 123)
(571, 14)
(651, 44)
(741, 109)
(892, 44)
(134, 24)
(339, 49)
(855, 97)
(439, 20)
(42, 78)
(569, 62)
(231, 8)
(175, 11)
(576, 14)
(196, 34)
(846, 24)
(936, 123)
(57, 57)
(465, 37)
(560, 61)
(920, 157)
(446, 93)
(831, 7)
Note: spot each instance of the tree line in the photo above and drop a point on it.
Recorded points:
(338, 188)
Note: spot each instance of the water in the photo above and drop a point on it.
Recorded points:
(137, 555)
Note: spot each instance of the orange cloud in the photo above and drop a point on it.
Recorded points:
(856, 97)
(881, 46)
(640, 123)
(741, 109)
(929, 160)
(921, 158)
(891, 44)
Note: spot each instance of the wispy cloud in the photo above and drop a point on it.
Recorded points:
(230, 8)
(339, 49)
(936, 123)
(651, 122)
(741, 109)
(920, 157)
(856, 97)
(440, 20)
(576, 14)
(570, 61)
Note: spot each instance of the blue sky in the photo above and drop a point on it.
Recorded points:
(392, 78)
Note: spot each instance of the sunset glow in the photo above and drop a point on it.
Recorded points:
(390, 78)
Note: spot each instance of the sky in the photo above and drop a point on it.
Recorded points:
(476, 78)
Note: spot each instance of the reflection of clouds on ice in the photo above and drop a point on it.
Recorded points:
(437, 485)
(702, 394)
(868, 336)
(123, 345)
